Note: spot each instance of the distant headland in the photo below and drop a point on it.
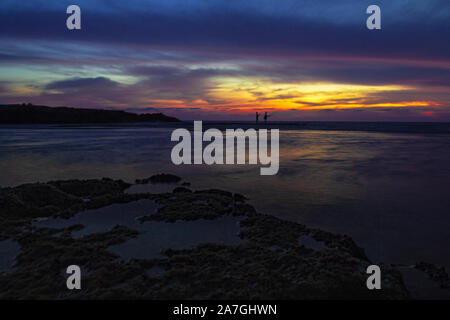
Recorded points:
(28, 113)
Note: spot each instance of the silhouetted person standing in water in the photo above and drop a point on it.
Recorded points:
(257, 117)
(265, 117)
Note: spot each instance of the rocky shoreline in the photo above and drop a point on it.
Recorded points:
(276, 259)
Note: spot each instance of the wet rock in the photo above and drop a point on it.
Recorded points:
(215, 191)
(181, 190)
(206, 204)
(239, 197)
(269, 264)
(160, 178)
(91, 188)
(435, 273)
(34, 200)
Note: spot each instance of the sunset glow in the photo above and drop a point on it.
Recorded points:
(295, 64)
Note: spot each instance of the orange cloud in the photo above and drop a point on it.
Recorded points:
(245, 94)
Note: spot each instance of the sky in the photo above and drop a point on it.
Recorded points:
(226, 60)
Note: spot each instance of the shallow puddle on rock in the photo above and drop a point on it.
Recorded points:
(9, 250)
(103, 219)
(156, 236)
(310, 243)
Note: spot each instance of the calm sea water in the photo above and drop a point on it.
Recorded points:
(386, 185)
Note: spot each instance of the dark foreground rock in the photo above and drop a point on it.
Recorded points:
(435, 273)
(276, 259)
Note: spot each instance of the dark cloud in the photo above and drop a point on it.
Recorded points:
(77, 83)
(235, 31)
(8, 58)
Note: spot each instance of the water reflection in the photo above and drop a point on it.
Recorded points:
(387, 190)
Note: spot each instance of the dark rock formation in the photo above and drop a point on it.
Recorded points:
(30, 114)
(270, 263)
(160, 178)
